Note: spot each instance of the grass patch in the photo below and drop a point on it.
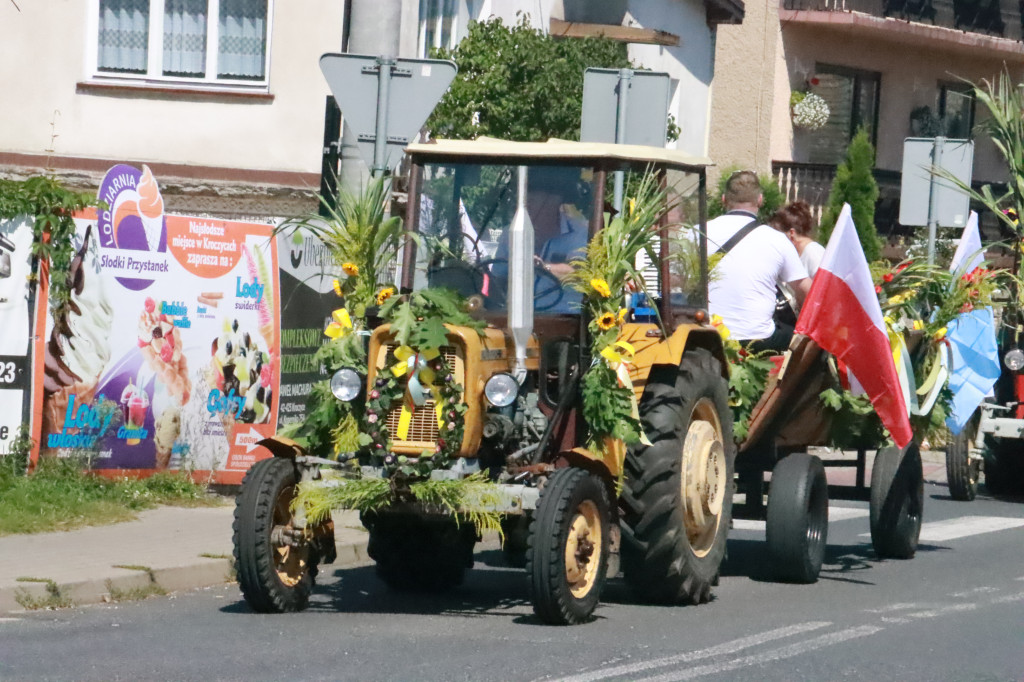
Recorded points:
(54, 598)
(60, 496)
(153, 588)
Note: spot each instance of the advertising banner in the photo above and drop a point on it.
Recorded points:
(169, 355)
(16, 299)
(307, 299)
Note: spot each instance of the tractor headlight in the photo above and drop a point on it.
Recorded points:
(1014, 359)
(346, 384)
(501, 390)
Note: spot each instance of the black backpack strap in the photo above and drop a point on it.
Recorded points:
(740, 234)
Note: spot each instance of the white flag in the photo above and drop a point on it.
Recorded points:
(969, 252)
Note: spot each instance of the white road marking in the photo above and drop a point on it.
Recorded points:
(9, 620)
(1020, 578)
(1008, 598)
(893, 607)
(942, 611)
(976, 590)
(768, 657)
(940, 531)
(834, 514)
(963, 526)
(718, 650)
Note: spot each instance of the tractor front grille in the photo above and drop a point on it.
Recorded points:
(423, 432)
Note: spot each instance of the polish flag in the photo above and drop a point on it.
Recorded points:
(842, 315)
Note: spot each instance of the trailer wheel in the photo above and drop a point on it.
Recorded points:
(677, 493)
(567, 556)
(275, 576)
(419, 554)
(897, 500)
(797, 525)
(962, 472)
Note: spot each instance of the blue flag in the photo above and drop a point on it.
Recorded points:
(975, 364)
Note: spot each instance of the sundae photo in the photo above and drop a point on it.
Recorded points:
(160, 343)
(240, 368)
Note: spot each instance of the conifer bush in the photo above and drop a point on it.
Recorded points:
(855, 185)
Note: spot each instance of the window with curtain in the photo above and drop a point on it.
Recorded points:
(443, 22)
(190, 40)
(956, 108)
(852, 98)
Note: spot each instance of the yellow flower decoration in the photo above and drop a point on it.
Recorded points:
(606, 321)
(719, 324)
(941, 334)
(337, 287)
(601, 287)
(622, 315)
(384, 294)
(350, 269)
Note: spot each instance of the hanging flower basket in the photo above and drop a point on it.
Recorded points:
(810, 111)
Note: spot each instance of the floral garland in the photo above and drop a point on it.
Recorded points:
(392, 386)
(810, 112)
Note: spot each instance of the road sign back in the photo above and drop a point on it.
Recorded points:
(395, 105)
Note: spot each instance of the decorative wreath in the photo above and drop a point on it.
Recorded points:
(410, 376)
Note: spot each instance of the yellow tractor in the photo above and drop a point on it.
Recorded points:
(498, 222)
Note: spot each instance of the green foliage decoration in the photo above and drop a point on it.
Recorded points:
(472, 499)
(516, 82)
(855, 184)
(363, 242)
(51, 206)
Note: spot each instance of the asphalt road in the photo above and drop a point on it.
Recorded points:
(955, 612)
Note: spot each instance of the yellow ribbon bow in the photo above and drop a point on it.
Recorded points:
(421, 381)
(341, 324)
(619, 355)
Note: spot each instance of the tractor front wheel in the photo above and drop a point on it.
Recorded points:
(567, 555)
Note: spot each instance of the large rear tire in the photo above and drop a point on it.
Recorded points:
(962, 472)
(677, 493)
(897, 501)
(797, 524)
(567, 556)
(420, 554)
(276, 576)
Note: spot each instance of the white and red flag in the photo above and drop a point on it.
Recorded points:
(843, 316)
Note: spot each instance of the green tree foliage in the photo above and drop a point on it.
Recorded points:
(855, 185)
(773, 198)
(518, 83)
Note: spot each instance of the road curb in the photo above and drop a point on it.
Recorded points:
(138, 582)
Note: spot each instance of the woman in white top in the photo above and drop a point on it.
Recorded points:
(794, 220)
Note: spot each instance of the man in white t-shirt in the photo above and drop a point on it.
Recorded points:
(742, 289)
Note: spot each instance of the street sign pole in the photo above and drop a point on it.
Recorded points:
(380, 140)
(625, 76)
(933, 197)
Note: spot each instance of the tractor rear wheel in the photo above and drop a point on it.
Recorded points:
(677, 493)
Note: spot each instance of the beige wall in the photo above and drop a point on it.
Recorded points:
(910, 78)
(45, 55)
(742, 94)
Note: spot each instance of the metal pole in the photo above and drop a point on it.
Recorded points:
(380, 134)
(625, 75)
(933, 197)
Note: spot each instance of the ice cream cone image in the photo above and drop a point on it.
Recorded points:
(77, 351)
(160, 343)
(151, 208)
(168, 426)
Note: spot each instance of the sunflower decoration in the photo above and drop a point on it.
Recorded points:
(604, 278)
(337, 287)
(384, 294)
(350, 269)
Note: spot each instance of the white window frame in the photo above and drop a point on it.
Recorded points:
(465, 11)
(155, 56)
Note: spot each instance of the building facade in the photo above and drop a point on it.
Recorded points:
(224, 100)
(897, 68)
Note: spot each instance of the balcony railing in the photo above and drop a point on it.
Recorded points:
(992, 17)
(812, 182)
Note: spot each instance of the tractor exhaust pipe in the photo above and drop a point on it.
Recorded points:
(520, 279)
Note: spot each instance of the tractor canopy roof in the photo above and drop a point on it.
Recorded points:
(553, 151)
